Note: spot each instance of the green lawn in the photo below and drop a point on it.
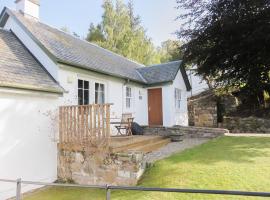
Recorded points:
(229, 163)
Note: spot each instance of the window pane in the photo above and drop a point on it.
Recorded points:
(80, 96)
(86, 85)
(86, 97)
(128, 91)
(80, 83)
(102, 98)
(96, 97)
(96, 86)
(102, 87)
(128, 102)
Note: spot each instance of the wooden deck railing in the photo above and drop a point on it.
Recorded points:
(84, 124)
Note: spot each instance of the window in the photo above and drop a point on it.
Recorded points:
(177, 97)
(99, 93)
(128, 97)
(83, 92)
(140, 95)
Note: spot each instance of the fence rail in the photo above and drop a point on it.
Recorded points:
(84, 123)
(108, 189)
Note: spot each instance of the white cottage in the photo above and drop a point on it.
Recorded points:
(43, 68)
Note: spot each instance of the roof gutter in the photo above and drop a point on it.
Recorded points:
(98, 71)
(159, 84)
(33, 89)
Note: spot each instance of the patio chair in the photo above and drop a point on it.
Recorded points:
(125, 124)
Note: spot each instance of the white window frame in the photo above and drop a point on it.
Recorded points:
(98, 91)
(177, 98)
(128, 97)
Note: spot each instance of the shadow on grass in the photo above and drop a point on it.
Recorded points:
(230, 149)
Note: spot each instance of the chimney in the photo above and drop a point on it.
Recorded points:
(29, 8)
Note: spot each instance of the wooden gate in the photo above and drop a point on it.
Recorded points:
(84, 125)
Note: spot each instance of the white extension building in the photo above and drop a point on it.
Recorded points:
(42, 68)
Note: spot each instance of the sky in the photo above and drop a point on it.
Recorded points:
(158, 16)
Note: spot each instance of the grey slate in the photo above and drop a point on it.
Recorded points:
(67, 49)
(19, 69)
(160, 73)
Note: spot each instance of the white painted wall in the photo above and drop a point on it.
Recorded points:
(42, 57)
(114, 93)
(28, 148)
(171, 115)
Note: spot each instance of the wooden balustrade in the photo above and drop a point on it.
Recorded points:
(85, 124)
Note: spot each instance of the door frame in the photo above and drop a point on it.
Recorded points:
(161, 100)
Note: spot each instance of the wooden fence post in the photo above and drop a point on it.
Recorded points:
(84, 123)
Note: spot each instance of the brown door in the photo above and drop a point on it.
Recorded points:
(155, 116)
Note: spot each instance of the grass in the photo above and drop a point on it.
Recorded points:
(227, 163)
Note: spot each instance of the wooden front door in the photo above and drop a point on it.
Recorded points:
(155, 116)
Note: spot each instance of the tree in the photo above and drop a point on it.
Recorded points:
(121, 32)
(95, 33)
(170, 51)
(229, 41)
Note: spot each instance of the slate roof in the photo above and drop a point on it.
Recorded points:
(67, 49)
(160, 73)
(19, 69)
(74, 51)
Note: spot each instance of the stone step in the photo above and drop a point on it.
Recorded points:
(134, 142)
(153, 146)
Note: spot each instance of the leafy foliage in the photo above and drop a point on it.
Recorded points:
(170, 51)
(229, 41)
(121, 32)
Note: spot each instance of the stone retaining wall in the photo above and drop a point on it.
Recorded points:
(188, 131)
(246, 125)
(100, 168)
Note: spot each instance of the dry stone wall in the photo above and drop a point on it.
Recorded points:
(207, 110)
(100, 168)
(187, 131)
(202, 110)
(246, 125)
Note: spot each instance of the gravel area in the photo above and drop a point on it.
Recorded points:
(173, 147)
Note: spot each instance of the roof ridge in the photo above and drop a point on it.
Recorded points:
(154, 65)
(141, 76)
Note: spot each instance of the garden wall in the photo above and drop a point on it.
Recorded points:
(246, 125)
(100, 167)
(207, 109)
(188, 131)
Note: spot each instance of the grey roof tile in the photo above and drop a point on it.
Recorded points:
(19, 69)
(68, 49)
(75, 51)
(160, 73)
